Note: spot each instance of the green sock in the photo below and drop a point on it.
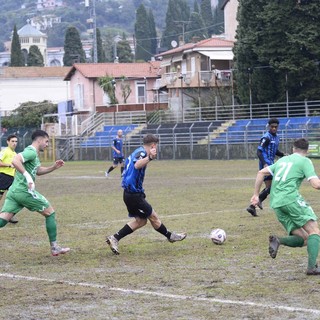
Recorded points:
(51, 227)
(3, 222)
(313, 250)
(292, 241)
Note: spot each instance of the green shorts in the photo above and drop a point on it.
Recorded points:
(295, 215)
(16, 201)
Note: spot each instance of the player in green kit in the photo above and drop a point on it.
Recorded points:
(296, 216)
(22, 193)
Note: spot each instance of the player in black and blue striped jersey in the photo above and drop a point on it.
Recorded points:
(267, 150)
(135, 199)
(118, 156)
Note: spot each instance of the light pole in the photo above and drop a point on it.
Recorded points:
(93, 20)
(181, 93)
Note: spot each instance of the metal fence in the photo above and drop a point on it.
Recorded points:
(185, 146)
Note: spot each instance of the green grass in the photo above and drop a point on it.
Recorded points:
(194, 279)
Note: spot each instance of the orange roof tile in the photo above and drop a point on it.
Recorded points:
(33, 72)
(116, 70)
(206, 43)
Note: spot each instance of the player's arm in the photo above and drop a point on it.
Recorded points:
(315, 182)
(142, 162)
(280, 154)
(3, 164)
(114, 147)
(17, 162)
(257, 186)
(44, 170)
(264, 142)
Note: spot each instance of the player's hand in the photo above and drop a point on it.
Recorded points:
(153, 153)
(255, 200)
(58, 164)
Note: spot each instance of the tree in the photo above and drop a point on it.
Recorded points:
(272, 62)
(195, 28)
(218, 19)
(207, 17)
(152, 33)
(73, 50)
(100, 51)
(124, 50)
(142, 35)
(178, 13)
(35, 58)
(29, 114)
(107, 84)
(17, 59)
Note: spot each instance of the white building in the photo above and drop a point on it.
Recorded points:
(30, 36)
(22, 84)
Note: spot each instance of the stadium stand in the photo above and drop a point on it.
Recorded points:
(251, 130)
(104, 138)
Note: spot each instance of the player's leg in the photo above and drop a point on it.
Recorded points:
(34, 201)
(121, 166)
(266, 191)
(111, 168)
(313, 244)
(5, 183)
(135, 209)
(161, 228)
(9, 209)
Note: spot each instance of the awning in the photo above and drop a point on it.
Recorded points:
(218, 55)
(177, 58)
(165, 63)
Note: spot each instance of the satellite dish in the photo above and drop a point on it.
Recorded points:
(174, 43)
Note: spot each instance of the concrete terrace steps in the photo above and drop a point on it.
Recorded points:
(216, 133)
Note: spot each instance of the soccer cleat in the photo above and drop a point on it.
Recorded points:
(314, 271)
(113, 244)
(14, 221)
(260, 205)
(106, 174)
(252, 210)
(55, 251)
(274, 244)
(174, 237)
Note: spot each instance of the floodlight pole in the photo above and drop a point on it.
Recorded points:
(95, 49)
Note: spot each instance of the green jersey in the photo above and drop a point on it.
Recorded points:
(31, 163)
(288, 173)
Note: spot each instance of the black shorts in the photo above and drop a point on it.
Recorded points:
(5, 182)
(137, 205)
(117, 160)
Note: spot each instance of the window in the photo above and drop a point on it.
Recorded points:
(79, 99)
(141, 92)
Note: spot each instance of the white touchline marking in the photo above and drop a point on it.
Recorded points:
(163, 295)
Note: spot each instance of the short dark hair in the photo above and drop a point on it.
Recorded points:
(10, 136)
(302, 144)
(150, 138)
(39, 133)
(273, 120)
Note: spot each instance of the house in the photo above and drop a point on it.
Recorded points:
(139, 78)
(195, 67)
(30, 36)
(230, 8)
(23, 84)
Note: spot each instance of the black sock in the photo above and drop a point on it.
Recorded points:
(110, 169)
(163, 230)
(263, 194)
(123, 232)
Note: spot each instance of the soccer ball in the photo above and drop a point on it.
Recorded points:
(218, 236)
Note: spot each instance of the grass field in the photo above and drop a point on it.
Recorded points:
(152, 278)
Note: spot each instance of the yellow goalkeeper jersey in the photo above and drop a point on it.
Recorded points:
(6, 156)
